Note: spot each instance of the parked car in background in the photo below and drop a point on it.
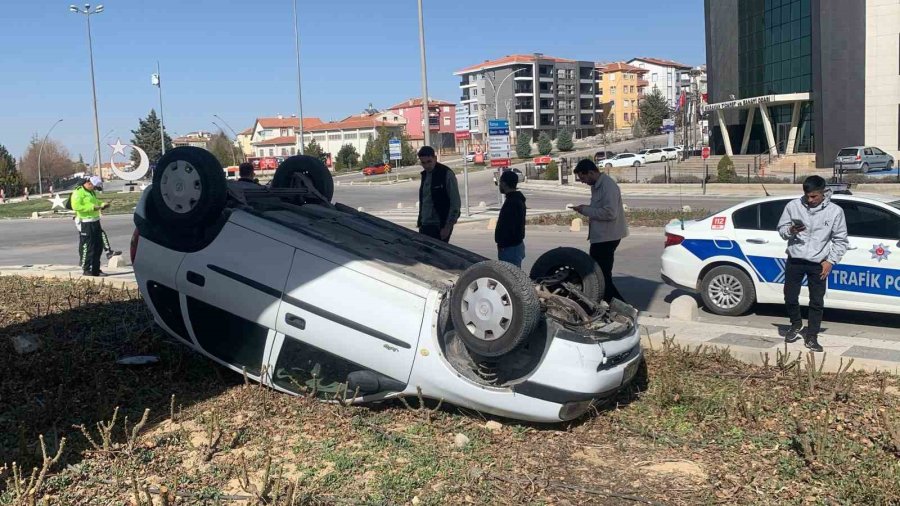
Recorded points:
(653, 155)
(672, 153)
(516, 171)
(863, 159)
(603, 155)
(624, 160)
(377, 169)
(470, 156)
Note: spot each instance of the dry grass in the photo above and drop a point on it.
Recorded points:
(704, 429)
(636, 217)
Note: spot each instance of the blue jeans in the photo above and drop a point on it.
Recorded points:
(512, 254)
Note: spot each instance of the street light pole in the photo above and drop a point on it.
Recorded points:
(425, 115)
(299, 89)
(40, 152)
(88, 13)
(157, 80)
(499, 87)
(243, 156)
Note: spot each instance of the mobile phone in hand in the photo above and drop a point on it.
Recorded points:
(798, 224)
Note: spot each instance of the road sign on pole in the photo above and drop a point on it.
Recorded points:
(395, 149)
(462, 122)
(705, 152)
(498, 143)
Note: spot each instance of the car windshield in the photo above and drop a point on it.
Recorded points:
(643, 151)
(848, 152)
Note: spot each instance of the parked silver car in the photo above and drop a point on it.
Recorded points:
(863, 159)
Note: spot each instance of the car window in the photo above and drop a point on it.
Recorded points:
(848, 152)
(770, 213)
(877, 151)
(868, 151)
(864, 220)
(895, 204)
(746, 218)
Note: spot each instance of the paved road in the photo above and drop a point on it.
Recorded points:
(636, 270)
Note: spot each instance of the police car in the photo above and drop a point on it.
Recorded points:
(736, 257)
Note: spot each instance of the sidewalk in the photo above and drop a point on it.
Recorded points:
(754, 345)
(745, 190)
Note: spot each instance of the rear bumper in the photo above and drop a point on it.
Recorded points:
(675, 272)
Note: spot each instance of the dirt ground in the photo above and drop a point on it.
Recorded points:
(697, 428)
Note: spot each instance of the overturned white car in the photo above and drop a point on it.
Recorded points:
(310, 296)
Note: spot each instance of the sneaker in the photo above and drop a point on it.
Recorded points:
(812, 342)
(793, 334)
(111, 253)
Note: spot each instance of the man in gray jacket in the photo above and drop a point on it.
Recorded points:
(816, 232)
(607, 221)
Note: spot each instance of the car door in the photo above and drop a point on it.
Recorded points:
(346, 313)
(232, 292)
(869, 158)
(756, 233)
(869, 273)
(881, 156)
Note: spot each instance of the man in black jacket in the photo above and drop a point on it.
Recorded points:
(439, 203)
(510, 232)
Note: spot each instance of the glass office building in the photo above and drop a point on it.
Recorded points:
(798, 76)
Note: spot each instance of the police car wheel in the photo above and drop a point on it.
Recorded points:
(727, 291)
(312, 167)
(494, 308)
(188, 187)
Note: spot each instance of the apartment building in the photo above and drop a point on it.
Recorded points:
(537, 93)
(441, 122)
(620, 87)
(664, 75)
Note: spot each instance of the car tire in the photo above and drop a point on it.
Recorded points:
(311, 167)
(727, 290)
(609, 165)
(865, 168)
(507, 305)
(188, 188)
(584, 272)
(636, 164)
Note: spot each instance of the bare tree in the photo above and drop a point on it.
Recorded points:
(55, 161)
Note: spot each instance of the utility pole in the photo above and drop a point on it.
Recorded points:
(299, 89)
(87, 14)
(425, 115)
(156, 80)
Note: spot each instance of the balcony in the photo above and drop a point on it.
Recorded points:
(524, 120)
(465, 83)
(547, 119)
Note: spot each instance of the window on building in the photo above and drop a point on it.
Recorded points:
(446, 121)
(474, 92)
(271, 151)
(475, 122)
(654, 77)
(334, 136)
(446, 108)
(293, 150)
(612, 90)
(260, 152)
(612, 77)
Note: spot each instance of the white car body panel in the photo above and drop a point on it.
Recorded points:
(861, 281)
(619, 161)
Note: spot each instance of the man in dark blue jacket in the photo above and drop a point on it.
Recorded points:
(510, 232)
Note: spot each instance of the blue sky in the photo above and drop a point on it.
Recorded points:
(236, 59)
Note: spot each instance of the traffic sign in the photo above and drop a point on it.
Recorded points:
(462, 122)
(668, 125)
(500, 162)
(705, 152)
(395, 148)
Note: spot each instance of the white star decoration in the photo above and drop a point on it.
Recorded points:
(58, 201)
(880, 252)
(118, 147)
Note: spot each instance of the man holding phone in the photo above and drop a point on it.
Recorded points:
(816, 232)
(87, 209)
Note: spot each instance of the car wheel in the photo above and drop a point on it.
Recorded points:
(865, 168)
(727, 291)
(608, 165)
(569, 265)
(312, 167)
(637, 164)
(188, 187)
(494, 308)
(890, 164)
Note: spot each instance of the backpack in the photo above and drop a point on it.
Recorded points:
(68, 203)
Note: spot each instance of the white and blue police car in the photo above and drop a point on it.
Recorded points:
(736, 257)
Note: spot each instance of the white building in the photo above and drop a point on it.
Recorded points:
(277, 136)
(355, 130)
(664, 75)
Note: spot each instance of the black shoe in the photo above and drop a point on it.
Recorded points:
(111, 253)
(101, 274)
(793, 334)
(86, 273)
(812, 342)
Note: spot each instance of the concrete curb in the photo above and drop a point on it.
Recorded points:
(118, 278)
(754, 346)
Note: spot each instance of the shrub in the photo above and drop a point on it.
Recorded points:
(552, 172)
(725, 171)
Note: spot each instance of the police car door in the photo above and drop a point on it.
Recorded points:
(756, 234)
(868, 277)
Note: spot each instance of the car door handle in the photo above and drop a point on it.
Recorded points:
(758, 241)
(295, 321)
(195, 278)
